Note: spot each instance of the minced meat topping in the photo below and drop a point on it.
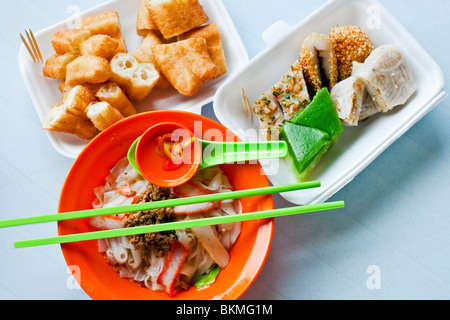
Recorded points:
(157, 240)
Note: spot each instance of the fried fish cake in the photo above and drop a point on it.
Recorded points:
(174, 17)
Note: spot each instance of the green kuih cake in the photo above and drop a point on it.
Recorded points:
(311, 133)
(321, 114)
(304, 143)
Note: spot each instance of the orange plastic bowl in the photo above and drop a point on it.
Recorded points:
(150, 164)
(97, 278)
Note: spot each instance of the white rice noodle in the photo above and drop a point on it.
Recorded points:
(145, 269)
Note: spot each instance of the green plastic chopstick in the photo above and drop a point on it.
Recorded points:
(158, 204)
(179, 225)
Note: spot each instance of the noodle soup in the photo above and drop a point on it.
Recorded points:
(173, 260)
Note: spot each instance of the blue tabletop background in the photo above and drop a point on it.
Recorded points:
(392, 241)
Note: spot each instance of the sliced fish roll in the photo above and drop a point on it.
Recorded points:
(291, 91)
(368, 107)
(387, 77)
(319, 62)
(270, 116)
(347, 97)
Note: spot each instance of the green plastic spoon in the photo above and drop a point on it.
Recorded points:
(215, 153)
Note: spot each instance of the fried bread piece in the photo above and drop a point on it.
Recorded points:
(198, 59)
(78, 99)
(88, 68)
(65, 88)
(55, 65)
(100, 45)
(174, 17)
(69, 40)
(111, 92)
(144, 21)
(59, 120)
(136, 79)
(122, 45)
(103, 115)
(211, 34)
(144, 54)
(186, 64)
(104, 23)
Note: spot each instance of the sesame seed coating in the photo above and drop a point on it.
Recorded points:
(351, 43)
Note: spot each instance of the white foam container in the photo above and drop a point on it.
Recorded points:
(44, 91)
(357, 147)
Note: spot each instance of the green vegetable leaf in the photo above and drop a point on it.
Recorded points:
(207, 279)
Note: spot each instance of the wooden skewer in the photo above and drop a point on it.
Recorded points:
(32, 46)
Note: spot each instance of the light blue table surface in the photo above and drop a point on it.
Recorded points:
(392, 241)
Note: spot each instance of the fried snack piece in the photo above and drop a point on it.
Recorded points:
(69, 40)
(78, 99)
(103, 115)
(197, 57)
(186, 64)
(319, 62)
(122, 46)
(136, 79)
(351, 43)
(211, 34)
(55, 65)
(59, 120)
(144, 54)
(65, 88)
(88, 68)
(144, 21)
(122, 66)
(104, 23)
(270, 116)
(174, 17)
(111, 92)
(100, 45)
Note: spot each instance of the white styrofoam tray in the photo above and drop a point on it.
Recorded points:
(357, 147)
(44, 91)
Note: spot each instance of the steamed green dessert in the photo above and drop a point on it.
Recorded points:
(312, 132)
(321, 114)
(304, 143)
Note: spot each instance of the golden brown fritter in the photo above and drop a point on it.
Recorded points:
(351, 43)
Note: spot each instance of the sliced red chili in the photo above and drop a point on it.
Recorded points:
(170, 165)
